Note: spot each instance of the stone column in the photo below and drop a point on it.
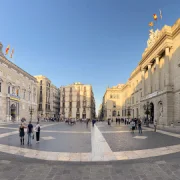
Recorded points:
(143, 82)
(157, 74)
(167, 67)
(149, 78)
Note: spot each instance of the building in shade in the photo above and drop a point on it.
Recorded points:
(47, 98)
(152, 91)
(77, 101)
(18, 92)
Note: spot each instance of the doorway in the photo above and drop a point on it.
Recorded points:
(151, 113)
(13, 112)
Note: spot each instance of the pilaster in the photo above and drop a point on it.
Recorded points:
(149, 78)
(143, 81)
(157, 74)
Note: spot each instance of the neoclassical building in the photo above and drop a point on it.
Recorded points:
(153, 88)
(18, 92)
(77, 101)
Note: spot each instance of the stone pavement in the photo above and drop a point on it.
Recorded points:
(103, 152)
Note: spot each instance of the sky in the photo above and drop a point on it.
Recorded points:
(97, 42)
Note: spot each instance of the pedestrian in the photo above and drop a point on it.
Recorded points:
(155, 125)
(133, 126)
(21, 133)
(37, 129)
(93, 122)
(139, 126)
(109, 121)
(30, 133)
(116, 120)
(87, 122)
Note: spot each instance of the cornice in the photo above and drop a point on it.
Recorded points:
(165, 39)
(18, 69)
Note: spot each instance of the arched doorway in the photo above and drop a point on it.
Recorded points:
(13, 112)
(151, 113)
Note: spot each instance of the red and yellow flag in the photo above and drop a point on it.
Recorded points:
(12, 52)
(155, 17)
(151, 24)
(7, 49)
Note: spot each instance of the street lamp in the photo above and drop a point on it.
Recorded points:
(147, 112)
(31, 110)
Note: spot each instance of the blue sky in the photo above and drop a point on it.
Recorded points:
(97, 42)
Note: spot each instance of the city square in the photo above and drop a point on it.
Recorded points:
(81, 152)
(90, 90)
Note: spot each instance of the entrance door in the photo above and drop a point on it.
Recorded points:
(151, 113)
(13, 112)
(84, 116)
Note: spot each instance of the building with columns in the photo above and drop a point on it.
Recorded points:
(47, 98)
(77, 101)
(18, 92)
(153, 88)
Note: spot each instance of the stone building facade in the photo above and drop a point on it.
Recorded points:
(47, 98)
(153, 88)
(55, 102)
(77, 101)
(18, 92)
(112, 104)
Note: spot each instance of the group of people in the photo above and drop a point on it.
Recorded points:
(30, 133)
(134, 123)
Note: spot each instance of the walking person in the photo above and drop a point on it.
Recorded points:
(87, 122)
(139, 126)
(93, 122)
(37, 129)
(21, 133)
(133, 126)
(109, 121)
(155, 125)
(30, 133)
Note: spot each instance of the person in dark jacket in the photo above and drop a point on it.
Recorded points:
(21, 133)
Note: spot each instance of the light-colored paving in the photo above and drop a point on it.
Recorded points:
(100, 149)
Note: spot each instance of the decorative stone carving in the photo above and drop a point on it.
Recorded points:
(152, 37)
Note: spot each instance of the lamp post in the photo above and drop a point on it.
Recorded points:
(147, 112)
(31, 110)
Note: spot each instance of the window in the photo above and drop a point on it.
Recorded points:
(40, 88)
(9, 89)
(110, 96)
(41, 82)
(85, 89)
(40, 107)
(114, 113)
(0, 86)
